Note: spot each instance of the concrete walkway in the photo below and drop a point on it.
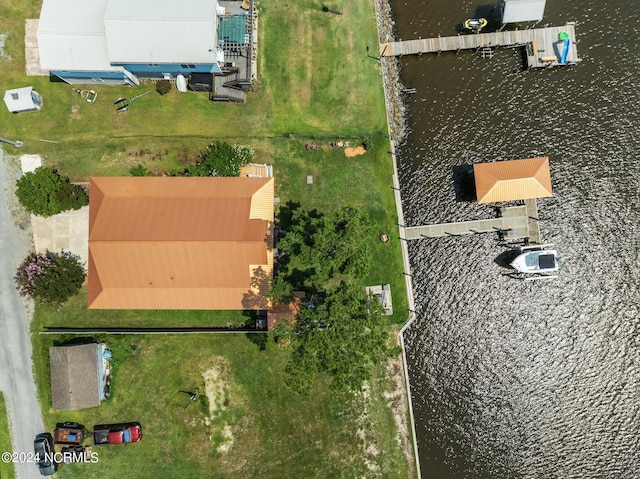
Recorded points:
(16, 375)
(31, 51)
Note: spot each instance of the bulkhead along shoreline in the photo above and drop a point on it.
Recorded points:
(397, 124)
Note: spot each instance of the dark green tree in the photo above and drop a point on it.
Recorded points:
(344, 338)
(50, 278)
(221, 159)
(44, 192)
(328, 247)
(281, 290)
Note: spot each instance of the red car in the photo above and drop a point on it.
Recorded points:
(121, 433)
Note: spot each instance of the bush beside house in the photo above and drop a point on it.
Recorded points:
(44, 192)
(50, 278)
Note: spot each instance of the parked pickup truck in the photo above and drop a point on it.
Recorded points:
(122, 433)
(68, 433)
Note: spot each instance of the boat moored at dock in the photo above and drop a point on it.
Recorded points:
(537, 260)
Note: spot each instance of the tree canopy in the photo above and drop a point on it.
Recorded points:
(44, 192)
(221, 159)
(344, 337)
(50, 278)
(340, 332)
(327, 248)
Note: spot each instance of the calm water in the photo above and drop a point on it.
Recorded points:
(527, 379)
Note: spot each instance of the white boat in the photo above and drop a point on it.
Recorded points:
(181, 83)
(537, 259)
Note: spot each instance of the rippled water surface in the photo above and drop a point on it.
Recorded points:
(533, 379)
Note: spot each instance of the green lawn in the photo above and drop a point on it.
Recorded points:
(315, 80)
(316, 84)
(7, 471)
(248, 425)
(75, 313)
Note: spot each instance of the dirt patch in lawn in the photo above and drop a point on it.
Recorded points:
(370, 450)
(217, 390)
(3, 39)
(357, 151)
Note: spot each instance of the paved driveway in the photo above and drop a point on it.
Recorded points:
(68, 231)
(16, 375)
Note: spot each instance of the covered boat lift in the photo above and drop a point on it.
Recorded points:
(513, 180)
(520, 11)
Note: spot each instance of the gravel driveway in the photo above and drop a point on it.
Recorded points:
(16, 375)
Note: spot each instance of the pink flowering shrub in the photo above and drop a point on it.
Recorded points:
(50, 278)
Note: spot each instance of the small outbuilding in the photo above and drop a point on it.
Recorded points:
(80, 375)
(21, 100)
(517, 11)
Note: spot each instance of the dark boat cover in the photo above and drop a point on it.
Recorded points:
(546, 261)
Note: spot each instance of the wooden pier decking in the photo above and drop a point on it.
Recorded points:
(542, 46)
(515, 222)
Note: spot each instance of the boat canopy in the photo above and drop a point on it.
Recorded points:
(515, 11)
(546, 261)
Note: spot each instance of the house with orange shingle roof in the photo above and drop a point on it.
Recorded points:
(180, 242)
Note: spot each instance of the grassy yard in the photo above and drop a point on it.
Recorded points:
(75, 313)
(315, 80)
(244, 423)
(7, 471)
(316, 84)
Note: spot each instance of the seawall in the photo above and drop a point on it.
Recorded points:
(397, 124)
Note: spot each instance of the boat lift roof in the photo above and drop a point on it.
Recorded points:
(516, 11)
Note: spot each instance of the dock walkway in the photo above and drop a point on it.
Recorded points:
(515, 222)
(542, 46)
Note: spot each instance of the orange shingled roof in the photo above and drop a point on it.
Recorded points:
(180, 243)
(513, 180)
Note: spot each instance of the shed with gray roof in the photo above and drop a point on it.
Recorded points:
(77, 376)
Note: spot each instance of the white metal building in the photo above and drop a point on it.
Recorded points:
(117, 41)
(161, 31)
(72, 38)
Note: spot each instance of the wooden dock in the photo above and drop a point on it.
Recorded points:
(515, 222)
(542, 46)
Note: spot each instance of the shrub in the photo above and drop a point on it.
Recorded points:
(221, 159)
(44, 192)
(139, 170)
(50, 278)
(163, 87)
